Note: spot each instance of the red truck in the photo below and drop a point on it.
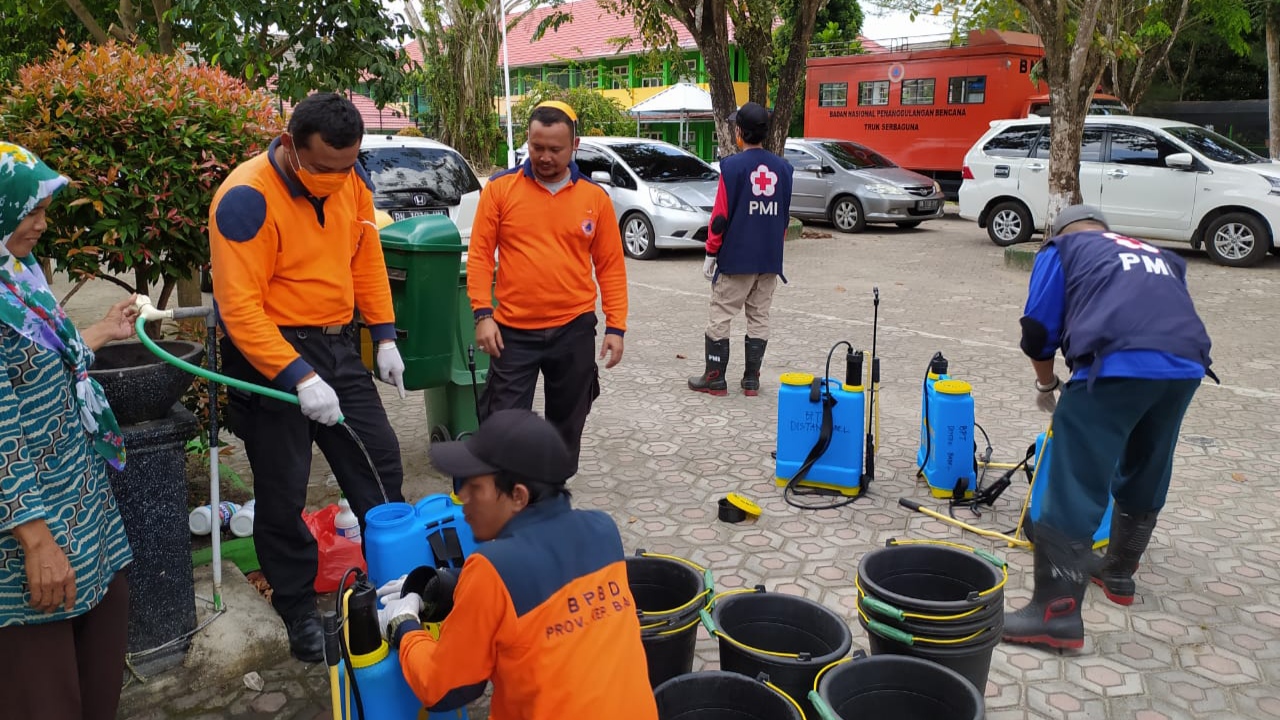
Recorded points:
(923, 105)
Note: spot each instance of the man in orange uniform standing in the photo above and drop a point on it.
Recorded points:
(543, 609)
(295, 252)
(550, 227)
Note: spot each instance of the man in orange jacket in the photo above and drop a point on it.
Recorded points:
(556, 237)
(543, 609)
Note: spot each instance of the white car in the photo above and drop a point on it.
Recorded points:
(1155, 179)
(415, 176)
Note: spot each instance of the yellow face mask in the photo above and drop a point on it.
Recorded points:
(319, 184)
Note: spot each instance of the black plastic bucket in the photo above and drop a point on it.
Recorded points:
(932, 579)
(970, 658)
(719, 695)
(668, 593)
(980, 619)
(892, 687)
(786, 637)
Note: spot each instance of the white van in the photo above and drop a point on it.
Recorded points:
(1152, 178)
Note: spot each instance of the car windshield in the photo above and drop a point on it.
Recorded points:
(852, 156)
(663, 163)
(1214, 146)
(438, 172)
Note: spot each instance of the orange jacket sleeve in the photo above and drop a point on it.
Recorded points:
(245, 267)
(450, 672)
(480, 253)
(611, 269)
(369, 274)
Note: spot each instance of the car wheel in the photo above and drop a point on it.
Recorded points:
(1237, 240)
(637, 237)
(846, 214)
(908, 224)
(1009, 223)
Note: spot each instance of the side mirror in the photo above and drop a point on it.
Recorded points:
(602, 177)
(813, 168)
(1180, 161)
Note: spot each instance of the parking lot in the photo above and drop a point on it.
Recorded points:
(1203, 638)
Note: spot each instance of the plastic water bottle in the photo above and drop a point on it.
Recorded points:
(345, 523)
(242, 522)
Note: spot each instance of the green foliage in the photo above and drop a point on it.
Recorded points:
(145, 140)
(29, 30)
(839, 24)
(300, 46)
(597, 114)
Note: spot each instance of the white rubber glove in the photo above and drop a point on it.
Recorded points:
(1047, 395)
(709, 267)
(391, 367)
(390, 590)
(405, 608)
(319, 402)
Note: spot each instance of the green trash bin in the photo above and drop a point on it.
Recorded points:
(451, 407)
(422, 256)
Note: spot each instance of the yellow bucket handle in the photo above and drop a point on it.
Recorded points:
(710, 625)
(708, 586)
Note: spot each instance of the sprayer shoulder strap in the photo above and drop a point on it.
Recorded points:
(824, 435)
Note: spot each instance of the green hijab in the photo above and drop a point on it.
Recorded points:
(28, 305)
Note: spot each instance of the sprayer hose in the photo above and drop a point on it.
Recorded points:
(221, 379)
(209, 374)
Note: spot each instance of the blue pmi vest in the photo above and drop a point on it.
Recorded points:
(1123, 294)
(757, 185)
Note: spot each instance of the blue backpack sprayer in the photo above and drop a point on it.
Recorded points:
(821, 423)
(361, 665)
(949, 463)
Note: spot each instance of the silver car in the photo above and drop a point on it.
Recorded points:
(661, 194)
(852, 185)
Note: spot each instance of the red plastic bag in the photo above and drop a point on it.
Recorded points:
(337, 554)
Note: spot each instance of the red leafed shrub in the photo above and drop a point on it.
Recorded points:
(146, 140)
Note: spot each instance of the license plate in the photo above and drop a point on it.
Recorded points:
(927, 205)
(399, 215)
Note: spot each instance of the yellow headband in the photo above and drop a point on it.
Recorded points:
(561, 106)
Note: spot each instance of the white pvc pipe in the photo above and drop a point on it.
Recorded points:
(506, 79)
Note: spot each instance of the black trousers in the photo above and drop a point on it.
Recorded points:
(69, 669)
(566, 358)
(277, 439)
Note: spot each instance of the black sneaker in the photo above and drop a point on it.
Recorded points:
(306, 637)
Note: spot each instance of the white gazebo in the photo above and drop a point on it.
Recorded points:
(679, 103)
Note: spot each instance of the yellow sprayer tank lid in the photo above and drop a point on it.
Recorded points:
(953, 387)
(796, 378)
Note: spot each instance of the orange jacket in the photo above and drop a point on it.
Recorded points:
(547, 247)
(283, 258)
(545, 612)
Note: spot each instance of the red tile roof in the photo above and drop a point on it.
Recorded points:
(586, 36)
(388, 118)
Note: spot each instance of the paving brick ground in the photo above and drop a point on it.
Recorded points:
(1203, 639)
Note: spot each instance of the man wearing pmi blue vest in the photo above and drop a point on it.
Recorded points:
(1120, 311)
(744, 250)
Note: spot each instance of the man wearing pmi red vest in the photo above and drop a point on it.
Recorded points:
(556, 239)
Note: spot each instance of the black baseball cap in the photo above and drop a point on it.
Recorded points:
(751, 116)
(1078, 213)
(515, 441)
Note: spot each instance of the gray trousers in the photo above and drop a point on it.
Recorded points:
(731, 293)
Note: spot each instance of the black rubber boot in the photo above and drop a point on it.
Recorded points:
(1129, 537)
(1052, 618)
(755, 357)
(306, 636)
(712, 381)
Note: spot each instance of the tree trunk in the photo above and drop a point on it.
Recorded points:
(1073, 67)
(189, 295)
(790, 85)
(712, 35)
(1273, 82)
